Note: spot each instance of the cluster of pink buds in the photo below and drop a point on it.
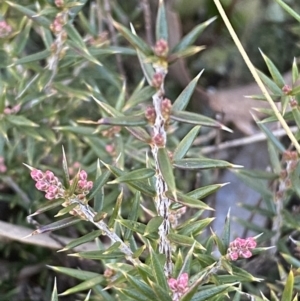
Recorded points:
(241, 248)
(3, 167)
(108, 273)
(159, 140)
(150, 115)
(58, 23)
(157, 80)
(166, 107)
(161, 48)
(5, 29)
(59, 3)
(286, 89)
(110, 148)
(179, 286)
(84, 186)
(12, 110)
(293, 102)
(48, 182)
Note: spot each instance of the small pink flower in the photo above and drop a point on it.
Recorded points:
(157, 80)
(161, 48)
(52, 189)
(150, 114)
(159, 140)
(59, 3)
(182, 282)
(110, 148)
(49, 176)
(233, 256)
(50, 196)
(179, 286)
(3, 167)
(41, 185)
(241, 248)
(7, 111)
(89, 185)
(286, 89)
(5, 29)
(83, 175)
(47, 182)
(37, 175)
(15, 109)
(172, 284)
(58, 23)
(81, 184)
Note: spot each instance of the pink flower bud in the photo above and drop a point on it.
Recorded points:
(110, 148)
(37, 174)
(240, 248)
(179, 286)
(89, 185)
(49, 195)
(234, 256)
(52, 189)
(150, 114)
(83, 175)
(7, 111)
(41, 185)
(166, 106)
(286, 89)
(182, 281)
(157, 80)
(59, 3)
(172, 284)
(49, 176)
(3, 168)
(245, 254)
(5, 29)
(159, 140)
(57, 25)
(293, 103)
(81, 184)
(161, 48)
(15, 109)
(251, 243)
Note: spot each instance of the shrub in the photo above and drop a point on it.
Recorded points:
(126, 151)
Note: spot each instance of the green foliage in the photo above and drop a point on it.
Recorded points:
(124, 159)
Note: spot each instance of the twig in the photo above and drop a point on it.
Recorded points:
(256, 76)
(245, 140)
(162, 202)
(88, 212)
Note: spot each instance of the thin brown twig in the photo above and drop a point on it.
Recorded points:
(244, 141)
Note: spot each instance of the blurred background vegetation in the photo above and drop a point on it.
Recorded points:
(259, 23)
